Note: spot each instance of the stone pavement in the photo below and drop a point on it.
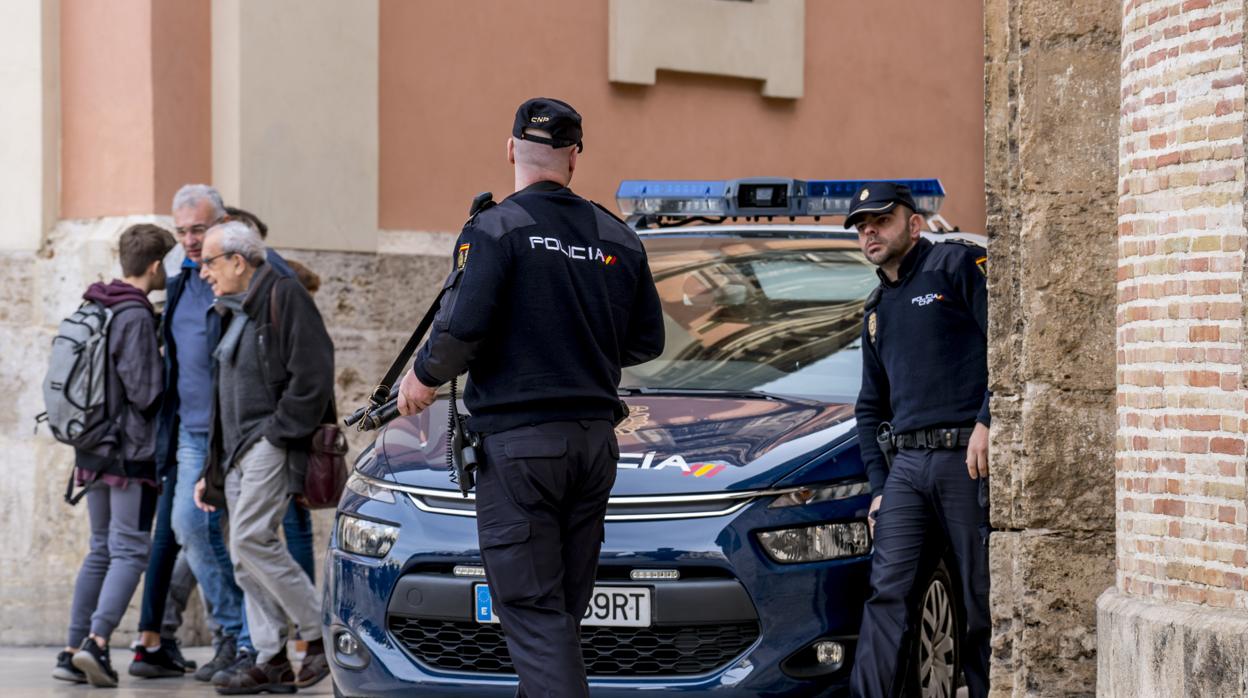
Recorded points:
(26, 672)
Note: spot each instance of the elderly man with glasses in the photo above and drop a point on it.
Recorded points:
(273, 385)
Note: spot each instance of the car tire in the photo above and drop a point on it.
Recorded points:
(935, 665)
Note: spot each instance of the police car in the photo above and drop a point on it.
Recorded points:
(737, 551)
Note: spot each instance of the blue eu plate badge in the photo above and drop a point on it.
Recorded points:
(485, 608)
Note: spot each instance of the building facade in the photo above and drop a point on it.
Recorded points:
(359, 130)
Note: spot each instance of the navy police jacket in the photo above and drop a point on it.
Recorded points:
(925, 348)
(549, 296)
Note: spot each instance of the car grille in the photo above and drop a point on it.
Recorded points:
(655, 651)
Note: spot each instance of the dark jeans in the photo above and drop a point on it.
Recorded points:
(928, 491)
(541, 498)
(160, 564)
(297, 525)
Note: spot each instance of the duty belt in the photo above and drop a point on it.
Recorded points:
(939, 437)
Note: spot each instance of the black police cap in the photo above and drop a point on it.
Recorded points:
(879, 197)
(553, 116)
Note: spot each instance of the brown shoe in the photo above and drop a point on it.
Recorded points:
(274, 676)
(315, 666)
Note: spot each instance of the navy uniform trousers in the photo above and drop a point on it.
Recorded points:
(928, 491)
(541, 498)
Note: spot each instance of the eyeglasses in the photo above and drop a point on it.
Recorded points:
(196, 230)
(207, 261)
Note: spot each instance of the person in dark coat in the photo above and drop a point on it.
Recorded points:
(273, 384)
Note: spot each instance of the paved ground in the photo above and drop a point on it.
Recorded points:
(26, 672)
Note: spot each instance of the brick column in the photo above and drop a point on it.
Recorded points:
(1175, 622)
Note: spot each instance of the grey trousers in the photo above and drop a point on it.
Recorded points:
(121, 538)
(275, 589)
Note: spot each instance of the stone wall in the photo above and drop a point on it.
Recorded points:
(1051, 96)
(370, 303)
(1175, 622)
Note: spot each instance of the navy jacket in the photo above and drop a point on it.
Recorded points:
(925, 348)
(167, 421)
(548, 298)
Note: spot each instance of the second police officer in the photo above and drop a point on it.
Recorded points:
(549, 297)
(925, 371)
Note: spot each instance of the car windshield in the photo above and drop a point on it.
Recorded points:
(767, 314)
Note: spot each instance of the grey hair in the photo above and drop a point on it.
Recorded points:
(241, 239)
(191, 194)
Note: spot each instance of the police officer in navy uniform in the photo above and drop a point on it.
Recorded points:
(924, 371)
(549, 297)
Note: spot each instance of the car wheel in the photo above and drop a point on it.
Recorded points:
(936, 659)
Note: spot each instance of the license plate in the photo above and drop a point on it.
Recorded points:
(620, 607)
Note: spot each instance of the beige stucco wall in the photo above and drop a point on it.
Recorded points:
(29, 126)
(763, 40)
(890, 89)
(295, 117)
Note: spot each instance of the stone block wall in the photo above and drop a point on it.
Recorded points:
(370, 302)
(1051, 100)
(1175, 622)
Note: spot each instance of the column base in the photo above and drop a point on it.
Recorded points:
(1149, 647)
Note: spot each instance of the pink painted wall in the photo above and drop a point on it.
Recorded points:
(891, 90)
(107, 148)
(135, 103)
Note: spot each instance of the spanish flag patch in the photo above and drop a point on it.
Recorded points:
(461, 256)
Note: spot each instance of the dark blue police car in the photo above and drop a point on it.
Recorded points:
(736, 557)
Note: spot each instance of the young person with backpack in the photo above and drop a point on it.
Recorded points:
(114, 380)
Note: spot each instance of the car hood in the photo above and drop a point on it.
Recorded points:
(668, 444)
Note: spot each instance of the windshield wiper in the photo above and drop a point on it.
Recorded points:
(707, 392)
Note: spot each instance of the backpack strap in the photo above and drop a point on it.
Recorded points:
(73, 499)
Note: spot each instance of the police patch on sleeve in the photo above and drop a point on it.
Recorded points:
(982, 263)
(461, 256)
(871, 327)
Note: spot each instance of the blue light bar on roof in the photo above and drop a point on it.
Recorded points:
(831, 197)
(756, 197)
(674, 198)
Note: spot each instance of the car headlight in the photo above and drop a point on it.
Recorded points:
(364, 537)
(814, 495)
(363, 487)
(815, 543)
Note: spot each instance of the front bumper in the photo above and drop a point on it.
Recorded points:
(727, 625)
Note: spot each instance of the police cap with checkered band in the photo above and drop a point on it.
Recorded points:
(878, 197)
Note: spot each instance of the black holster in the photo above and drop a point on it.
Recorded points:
(884, 439)
(465, 454)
